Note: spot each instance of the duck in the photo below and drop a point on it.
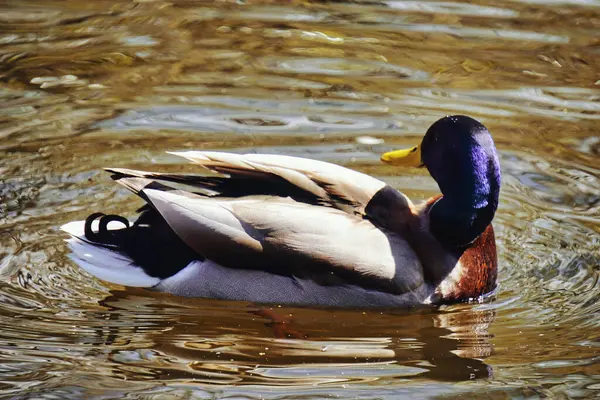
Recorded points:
(276, 229)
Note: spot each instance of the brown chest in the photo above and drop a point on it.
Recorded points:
(474, 274)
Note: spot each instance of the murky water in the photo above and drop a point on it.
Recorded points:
(98, 83)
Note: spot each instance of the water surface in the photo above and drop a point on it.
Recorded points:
(84, 85)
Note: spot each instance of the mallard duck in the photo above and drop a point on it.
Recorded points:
(287, 230)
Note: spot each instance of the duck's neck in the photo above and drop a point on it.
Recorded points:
(466, 209)
(454, 225)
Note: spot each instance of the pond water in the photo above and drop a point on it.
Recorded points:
(89, 84)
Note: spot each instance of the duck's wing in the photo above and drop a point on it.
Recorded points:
(287, 237)
(304, 180)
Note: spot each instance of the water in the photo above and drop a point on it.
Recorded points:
(84, 85)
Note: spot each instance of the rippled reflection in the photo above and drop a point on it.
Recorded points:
(84, 85)
(144, 338)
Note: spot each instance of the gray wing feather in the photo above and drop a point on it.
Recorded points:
(281, 233)
(334, 185)
(307, 180)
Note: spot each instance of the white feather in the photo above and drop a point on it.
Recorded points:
(102, 262)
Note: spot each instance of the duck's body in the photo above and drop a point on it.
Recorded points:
(286, 230)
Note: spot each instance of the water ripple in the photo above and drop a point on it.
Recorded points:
(338, 67)
(84, 85)
(213, 119)
(441, 7)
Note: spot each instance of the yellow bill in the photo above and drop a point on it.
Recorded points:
(405, 157)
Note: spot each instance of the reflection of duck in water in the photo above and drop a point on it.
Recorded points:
(288, 230)
(221, 342)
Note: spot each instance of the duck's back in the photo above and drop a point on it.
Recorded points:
(310, 227)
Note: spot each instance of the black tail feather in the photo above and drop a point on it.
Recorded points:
(149, 242)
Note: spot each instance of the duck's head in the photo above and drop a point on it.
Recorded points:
(460, 155)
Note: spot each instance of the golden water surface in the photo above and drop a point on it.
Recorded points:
(89, 84)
